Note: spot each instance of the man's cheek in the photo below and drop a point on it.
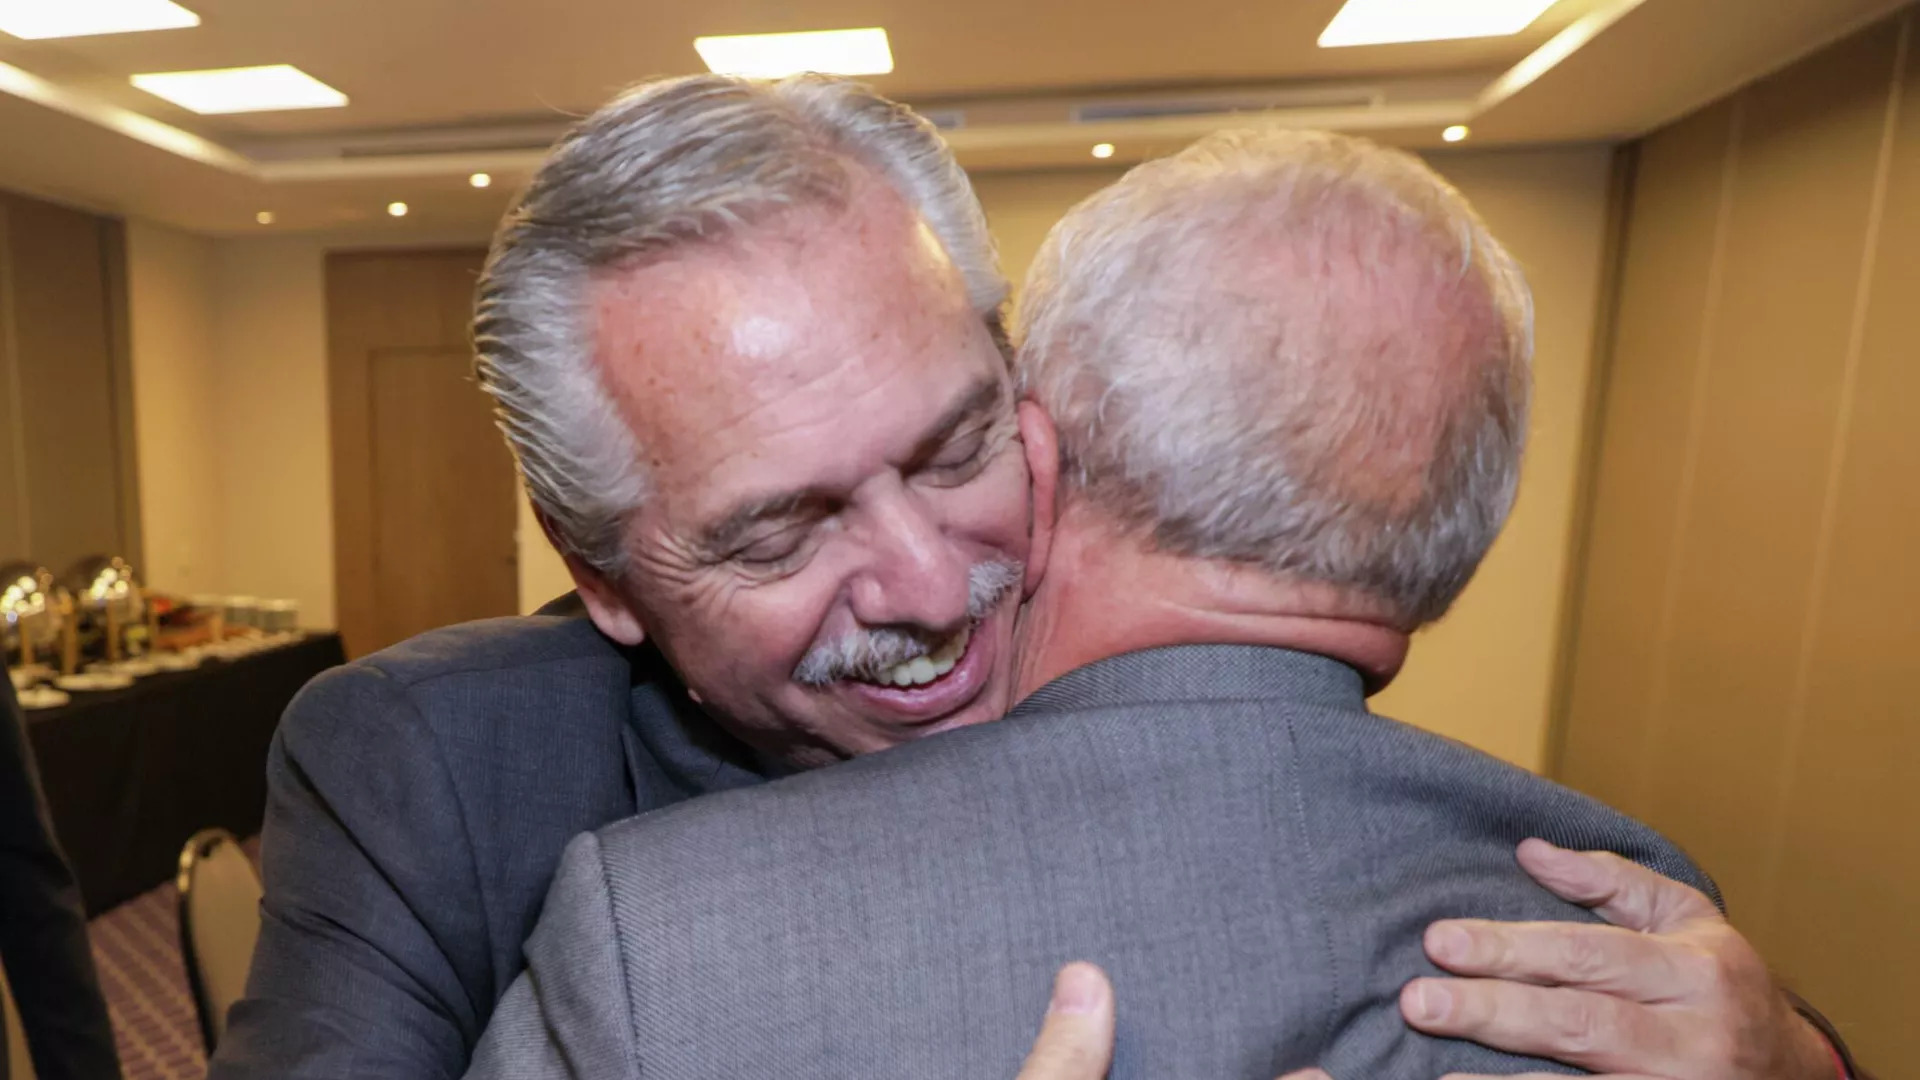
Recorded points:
(776, 633)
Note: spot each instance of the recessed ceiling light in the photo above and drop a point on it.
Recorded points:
(1456, 133)
(1381, 22)
(264, 217)
(480, 179)
(397, 209)
(37, 20)
(1103, 150)
(775, 56)
(238, 90)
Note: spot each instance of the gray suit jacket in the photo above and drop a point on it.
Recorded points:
(419, 800)
(1249, 852)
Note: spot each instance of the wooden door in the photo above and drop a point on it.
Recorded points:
(443, 491)
(424, 487)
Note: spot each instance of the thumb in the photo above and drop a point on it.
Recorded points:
(1076, 1039)
(1307, 1074)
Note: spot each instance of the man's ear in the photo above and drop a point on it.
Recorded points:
(1042, 442)
(606, 606)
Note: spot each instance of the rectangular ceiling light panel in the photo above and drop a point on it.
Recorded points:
(1384, 22)
(239, 90)
(38, 20)
(775, 56)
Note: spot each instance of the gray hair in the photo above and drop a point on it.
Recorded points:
(668, 164)
(1295, 350)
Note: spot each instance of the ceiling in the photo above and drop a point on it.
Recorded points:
(442, 88)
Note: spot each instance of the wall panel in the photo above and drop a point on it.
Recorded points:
(1848, 796)
(1750, 605)
(1795, 234)
(16, 535)
(70, 488)
(1651, 393)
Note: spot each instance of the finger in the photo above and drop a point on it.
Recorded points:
(1578, 1027)
(1609, 959)
(1076, 1039)
(1307, 1074)
(1619, 890)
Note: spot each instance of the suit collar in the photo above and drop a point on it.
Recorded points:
(667, 736)
(1202, 673)
(673, 737)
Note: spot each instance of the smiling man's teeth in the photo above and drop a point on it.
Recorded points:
(924, 669)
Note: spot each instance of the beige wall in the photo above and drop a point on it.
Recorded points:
(229, 362)
(272, 422)
(172, 292)
(1747, 630)
(1482, 676)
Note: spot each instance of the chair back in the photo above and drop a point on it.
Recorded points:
(219, 924)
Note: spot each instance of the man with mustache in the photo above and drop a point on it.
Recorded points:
(746, 343)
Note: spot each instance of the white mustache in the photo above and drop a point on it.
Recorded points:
(864, 653)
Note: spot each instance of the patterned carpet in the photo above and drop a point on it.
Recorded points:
(136, 946)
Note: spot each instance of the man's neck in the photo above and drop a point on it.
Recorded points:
(1106, 594)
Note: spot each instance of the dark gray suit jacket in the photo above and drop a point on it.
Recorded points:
(43, 929)
(418, 803)
(1249, 852)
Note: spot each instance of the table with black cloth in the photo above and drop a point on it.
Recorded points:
(131, 774)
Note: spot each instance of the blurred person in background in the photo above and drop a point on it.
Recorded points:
(43, 927)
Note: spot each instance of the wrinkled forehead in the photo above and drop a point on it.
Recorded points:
(822, 318)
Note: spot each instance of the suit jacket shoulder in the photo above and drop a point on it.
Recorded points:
(1405, 827)
(490, 648)
(1249, 852)
(419, 802)
(504, 738)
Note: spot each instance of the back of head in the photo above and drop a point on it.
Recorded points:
(1298, 351)
(671, 164)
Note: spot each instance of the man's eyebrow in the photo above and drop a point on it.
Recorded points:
(720, 537)
(983, 398)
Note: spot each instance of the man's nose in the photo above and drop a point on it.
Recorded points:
(914, 576)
